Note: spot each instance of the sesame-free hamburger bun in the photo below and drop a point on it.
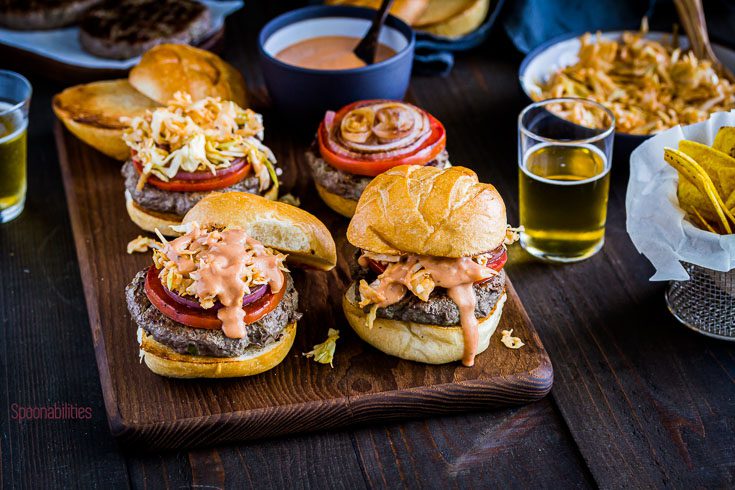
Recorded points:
(424, 210)
(275, 224)
(92, 113)
(169, 68)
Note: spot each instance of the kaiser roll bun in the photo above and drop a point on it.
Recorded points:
(274, 224)
(430, 344)
(424, 210)
(92, 113)
(165, 361)
(168, 68)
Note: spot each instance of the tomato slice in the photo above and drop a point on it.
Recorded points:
(429, 150)
(180, 185)
(191, 317)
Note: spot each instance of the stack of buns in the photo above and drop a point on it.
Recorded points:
(446, 18)
(96, 112)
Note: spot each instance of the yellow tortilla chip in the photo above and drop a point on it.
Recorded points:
(726, 176)
(730, 203)
(690, 197)
(703, 221)
(709, 159)
(725, 140)
(693, 171)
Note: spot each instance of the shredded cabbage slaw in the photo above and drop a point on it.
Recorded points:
(207, 135)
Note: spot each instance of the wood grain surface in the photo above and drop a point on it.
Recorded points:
(298, 395)
(638, 401)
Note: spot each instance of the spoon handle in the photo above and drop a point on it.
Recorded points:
(368, 46)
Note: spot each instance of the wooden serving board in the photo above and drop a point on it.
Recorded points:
(365, 385)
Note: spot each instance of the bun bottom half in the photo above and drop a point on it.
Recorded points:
(164, 361)
(345, 207)
(151, 220)
(420, 342)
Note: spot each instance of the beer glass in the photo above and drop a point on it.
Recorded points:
(15, 98)
(564, 154)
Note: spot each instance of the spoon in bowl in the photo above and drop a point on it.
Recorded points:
(368, 46)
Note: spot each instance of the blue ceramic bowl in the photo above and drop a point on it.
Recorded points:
(309, 93)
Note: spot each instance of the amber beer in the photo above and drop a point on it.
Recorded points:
(13, 128)
(563, 200)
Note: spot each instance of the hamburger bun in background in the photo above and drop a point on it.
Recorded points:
(445, 18)
(430, 212)
(92, 111)
(453, 18)
(169, 68)
(408, 11)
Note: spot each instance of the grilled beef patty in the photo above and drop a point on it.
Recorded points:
(26, 15)
(205, 342)
(177, 203)
(349, 186)
(440, 309)
(121, 29)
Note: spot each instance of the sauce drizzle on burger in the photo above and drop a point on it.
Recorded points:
(421, 275)
(223, 271)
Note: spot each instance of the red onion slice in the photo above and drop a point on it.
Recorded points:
(255, 294)
(235, 165)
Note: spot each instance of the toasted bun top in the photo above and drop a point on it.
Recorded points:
(441, 10)
(407, 10)
(168, 68)
(101, 104)
(428, 211)
(274, 224)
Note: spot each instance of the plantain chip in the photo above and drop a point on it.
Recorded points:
(725, 140)
(694, 172)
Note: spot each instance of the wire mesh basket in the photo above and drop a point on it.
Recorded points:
(706, 302)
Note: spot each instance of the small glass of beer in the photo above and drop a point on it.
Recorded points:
(564, 153)
(15, 98)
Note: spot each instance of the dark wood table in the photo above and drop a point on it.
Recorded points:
(638, 400)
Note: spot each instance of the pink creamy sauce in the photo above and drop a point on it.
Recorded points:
(224, 258)
(456, 275)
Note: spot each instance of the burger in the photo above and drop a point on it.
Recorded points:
(366, 138)
(219, 301)
(429, 284)
(182, 152)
